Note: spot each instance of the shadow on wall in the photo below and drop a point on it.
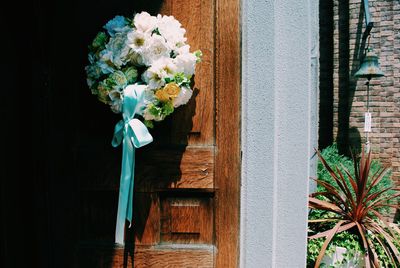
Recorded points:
(347, 82)
(326, 92)
(347, 137)
(355, 140)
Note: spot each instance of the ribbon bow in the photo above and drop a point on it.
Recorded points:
(132, 133)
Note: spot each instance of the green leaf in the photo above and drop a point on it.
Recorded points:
(168, 108)
(155, 110)
(131, 74)
(156, 31)
(199, 55)
(148, 123)
(100, 41)
(181, 79)
(358, 186)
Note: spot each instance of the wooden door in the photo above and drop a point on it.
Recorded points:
(189, 179)
(186, 210)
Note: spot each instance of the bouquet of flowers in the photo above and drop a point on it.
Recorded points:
(147, 52)
(142, 68)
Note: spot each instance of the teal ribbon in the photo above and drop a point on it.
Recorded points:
(132, 133)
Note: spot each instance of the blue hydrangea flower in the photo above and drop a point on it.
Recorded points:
(93, 71)
(116, 25)
(104, 67)
(116, 50)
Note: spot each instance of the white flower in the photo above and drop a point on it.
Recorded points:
(137, 41)
(147, 115)
(171, 30)
(160, 69)
(167, 66)
(156, 48)
(186, 63)
(153, 76)
(184, 96)
(144, 22)
(182, 50)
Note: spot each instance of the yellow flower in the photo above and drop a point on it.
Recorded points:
(162, 95)
(168, 93)
(172, 89)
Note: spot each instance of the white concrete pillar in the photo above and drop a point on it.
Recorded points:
(279, 130)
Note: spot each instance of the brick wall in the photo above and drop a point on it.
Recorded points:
(343, 97)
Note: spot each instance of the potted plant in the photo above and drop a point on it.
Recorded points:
(349, 208)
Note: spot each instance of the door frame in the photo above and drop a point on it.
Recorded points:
(228, 129)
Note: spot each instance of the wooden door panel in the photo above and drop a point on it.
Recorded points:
(172, 257)
(187, 219)
(186, 168)
(156, 257)
(172, 217)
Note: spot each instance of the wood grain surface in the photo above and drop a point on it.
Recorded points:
(227, 173)
(154, 257)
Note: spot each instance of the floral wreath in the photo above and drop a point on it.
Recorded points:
(142, 68)
(149, 52)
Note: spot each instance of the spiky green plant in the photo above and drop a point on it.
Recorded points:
(353, 204)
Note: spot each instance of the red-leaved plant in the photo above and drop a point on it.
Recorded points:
(354, 204)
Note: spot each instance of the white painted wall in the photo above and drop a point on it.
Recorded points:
(279, 110)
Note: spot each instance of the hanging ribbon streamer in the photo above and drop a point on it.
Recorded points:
(132, 133)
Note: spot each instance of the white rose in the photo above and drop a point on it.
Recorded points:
(144, 22)
(171, 30)
(156, 48)
(159, 70)
(186, 63)
(182, 50)
(184, 96)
